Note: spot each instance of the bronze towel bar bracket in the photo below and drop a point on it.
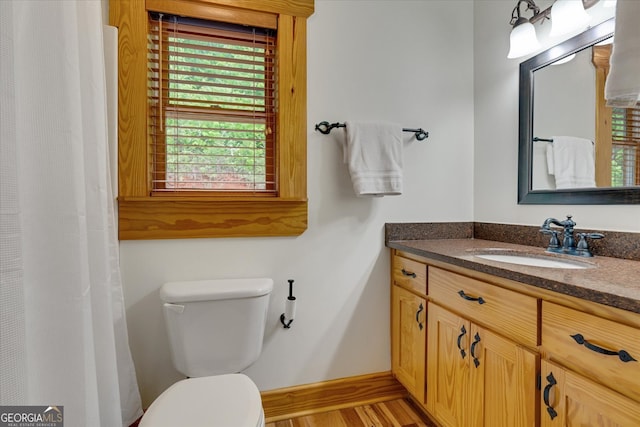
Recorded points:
(536, 139)
(325, 128)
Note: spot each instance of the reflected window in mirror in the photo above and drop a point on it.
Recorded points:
(626, 147)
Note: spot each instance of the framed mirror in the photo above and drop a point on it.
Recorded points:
(562, 97)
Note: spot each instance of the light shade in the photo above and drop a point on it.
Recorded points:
(522, 40)
(568, 16)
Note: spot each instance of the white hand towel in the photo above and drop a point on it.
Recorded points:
(551, 167)
(622, 88)
(373, 152)
(573, 162)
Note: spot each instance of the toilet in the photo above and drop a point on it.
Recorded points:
(215, 328)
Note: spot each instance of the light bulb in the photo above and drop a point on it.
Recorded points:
(568, 16)
(523, 40)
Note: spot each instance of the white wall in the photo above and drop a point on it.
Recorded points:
(496, 132)
(404, 61)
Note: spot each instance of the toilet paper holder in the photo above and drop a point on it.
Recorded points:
(290, 308)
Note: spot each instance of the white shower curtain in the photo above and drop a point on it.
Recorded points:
(62, 319)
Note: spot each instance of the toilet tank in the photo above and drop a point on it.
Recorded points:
(215, 326)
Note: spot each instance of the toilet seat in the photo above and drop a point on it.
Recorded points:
(230, 400)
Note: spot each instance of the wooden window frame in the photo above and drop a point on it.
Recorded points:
(603, 143)
(604, 119)
(143, 216)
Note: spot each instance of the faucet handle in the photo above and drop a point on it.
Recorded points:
(554, 243)
(583, 247)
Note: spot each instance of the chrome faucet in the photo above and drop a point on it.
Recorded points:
(568, 240)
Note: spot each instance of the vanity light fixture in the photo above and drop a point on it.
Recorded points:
(566, 16)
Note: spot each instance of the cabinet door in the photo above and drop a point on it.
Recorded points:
(569, 400)
(448, 367)
(502, 389)
(408, 339)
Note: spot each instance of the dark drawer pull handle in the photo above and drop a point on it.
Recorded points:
(473, 349)
(468, 298)
(622, 354)
(463, 332)
(409, 274)
(420, 309)
(547, 389)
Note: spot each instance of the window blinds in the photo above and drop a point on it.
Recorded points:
(625, 133)
(211, 92)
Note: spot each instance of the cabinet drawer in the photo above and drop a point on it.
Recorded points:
(410, 274)
(592, 346)
(506, 312)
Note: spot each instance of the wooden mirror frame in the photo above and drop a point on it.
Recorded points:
(587, 196)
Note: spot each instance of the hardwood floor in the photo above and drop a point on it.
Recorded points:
(392, 413)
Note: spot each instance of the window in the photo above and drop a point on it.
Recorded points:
(625, 125)
(212, 105)
(193, 164)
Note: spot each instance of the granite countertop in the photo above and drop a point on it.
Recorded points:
(610, 281)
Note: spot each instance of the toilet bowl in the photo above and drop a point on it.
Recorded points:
(230, 400)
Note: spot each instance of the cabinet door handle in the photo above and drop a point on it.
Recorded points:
(409, 273)
(473, 349)
(623, 355)
(463, 332)
(420, 309)
(468, 298)
(551, 381)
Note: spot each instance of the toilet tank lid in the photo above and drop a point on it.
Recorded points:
(215, 289)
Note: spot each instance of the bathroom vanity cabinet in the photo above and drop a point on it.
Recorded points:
(499, 352)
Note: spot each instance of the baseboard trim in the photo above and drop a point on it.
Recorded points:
(306, 399)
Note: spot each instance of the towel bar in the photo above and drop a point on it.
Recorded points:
(536, 139)
(325, 128)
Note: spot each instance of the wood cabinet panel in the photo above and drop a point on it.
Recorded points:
(513, 314)
(574, 339)
(408, 344)
(448, 367)
(569, 399)
(502, 381)
(409, 274)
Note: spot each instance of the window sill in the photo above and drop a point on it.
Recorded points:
(142, 218)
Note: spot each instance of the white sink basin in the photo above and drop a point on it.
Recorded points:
(534, 261)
